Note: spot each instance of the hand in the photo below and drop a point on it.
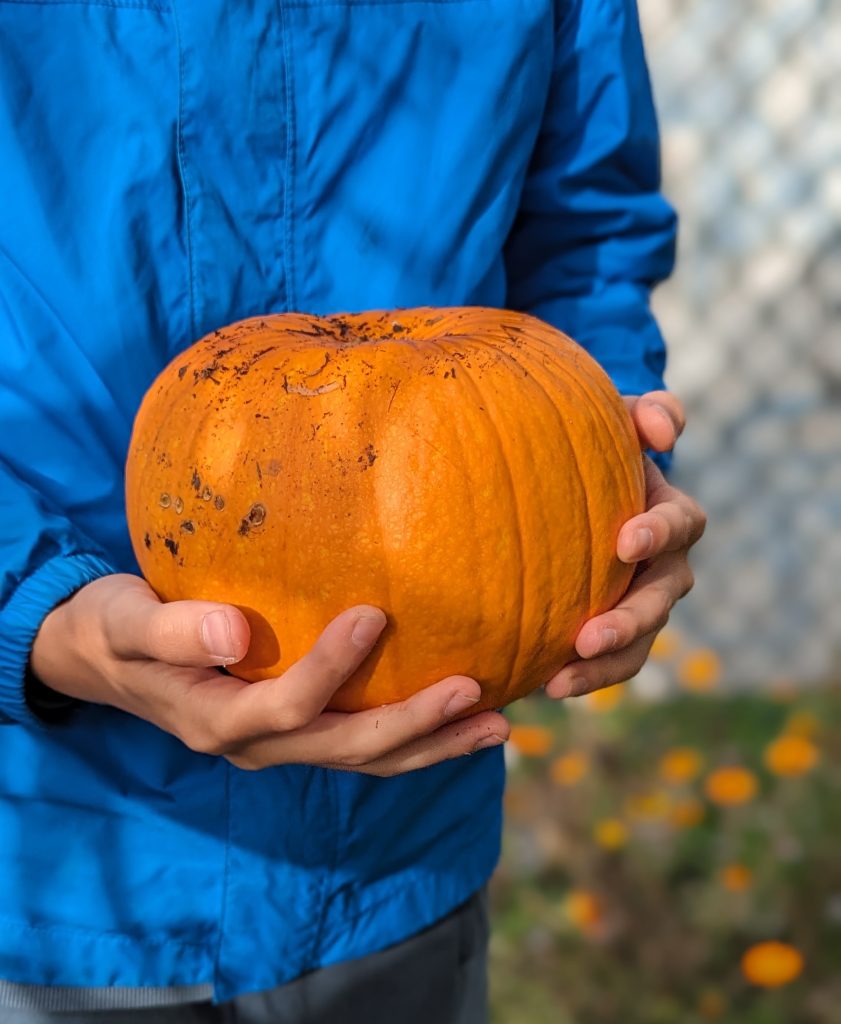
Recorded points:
(614, 646)
(114, 642)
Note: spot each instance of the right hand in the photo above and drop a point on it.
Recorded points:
(114, 642)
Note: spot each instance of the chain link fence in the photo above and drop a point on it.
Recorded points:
(749, 97)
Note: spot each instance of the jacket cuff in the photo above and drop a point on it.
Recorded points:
(20, 620)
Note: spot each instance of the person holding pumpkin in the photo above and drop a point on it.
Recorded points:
(176, 166)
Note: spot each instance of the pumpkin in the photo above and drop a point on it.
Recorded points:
(467, 470)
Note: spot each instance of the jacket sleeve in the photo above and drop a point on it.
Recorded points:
(43, 560)
(593, 234)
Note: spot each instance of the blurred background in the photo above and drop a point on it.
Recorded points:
(673, 846)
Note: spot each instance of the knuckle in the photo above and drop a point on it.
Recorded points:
(289, 718)
(244, 762)
(687, 581)
(356, 758)
(204, 739)
(662, 605)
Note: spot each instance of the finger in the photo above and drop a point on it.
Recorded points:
(580, 677)
(293, 700)
(644, 609)
(359, 738)
(672, 522)
(659, 419)
(333, 741)
(469, 736)
(137, 624)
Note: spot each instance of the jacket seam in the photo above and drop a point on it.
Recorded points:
(291, 161)
(226, 871)
(182, 173)
(326, 886)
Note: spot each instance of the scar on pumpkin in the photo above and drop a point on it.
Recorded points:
(302, 389)
(256, 517)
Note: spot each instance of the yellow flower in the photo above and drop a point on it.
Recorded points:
(569, 769)
(682, 764)
(532, 740)
(583, 909)
(687, 813)
(605, 699)
(610, 833)
(772, 964)
(649, 806)
(666, 645)
(736, 877)
(700, 671)
(731, 786)
(791, 755)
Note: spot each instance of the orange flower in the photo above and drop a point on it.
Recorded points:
(791, 755)
(736, 877)
(772, 964)
(583, 909)
(649, 806)
(687, 813)
(532, 740)
(700, 671)
(682, 764)
(666, 645)
(731, 786)
(605, 699)
(610, 833)
(569, 769)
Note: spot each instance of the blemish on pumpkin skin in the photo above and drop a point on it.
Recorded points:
(188, 526)
(368, 457)
(147, 540)
(256, 517)
(171, 546)
(178, 505)
(196, 481)
(182, 371)
(165, 501)
(206, 494)
(219, 502)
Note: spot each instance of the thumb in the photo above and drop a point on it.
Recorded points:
(191, 633)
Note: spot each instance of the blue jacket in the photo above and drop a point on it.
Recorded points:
(169, 166)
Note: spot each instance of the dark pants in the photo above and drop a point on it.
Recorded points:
(436, 977)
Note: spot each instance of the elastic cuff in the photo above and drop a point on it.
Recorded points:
(21, 619)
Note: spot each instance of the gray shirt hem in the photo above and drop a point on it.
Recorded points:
(65, 999)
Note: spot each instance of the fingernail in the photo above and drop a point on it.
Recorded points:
(578, 685)
(366, 629)
(217, 639)
(607, 640)
(664, 412)
(459, 702)
(489, 741)
(643, 542)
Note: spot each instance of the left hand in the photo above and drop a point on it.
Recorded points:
(614, 646)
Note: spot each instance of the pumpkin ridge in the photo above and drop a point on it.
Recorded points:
(483, 400)
(601, 382)
(563, 381)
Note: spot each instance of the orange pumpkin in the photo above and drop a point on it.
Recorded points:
(467, 470)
